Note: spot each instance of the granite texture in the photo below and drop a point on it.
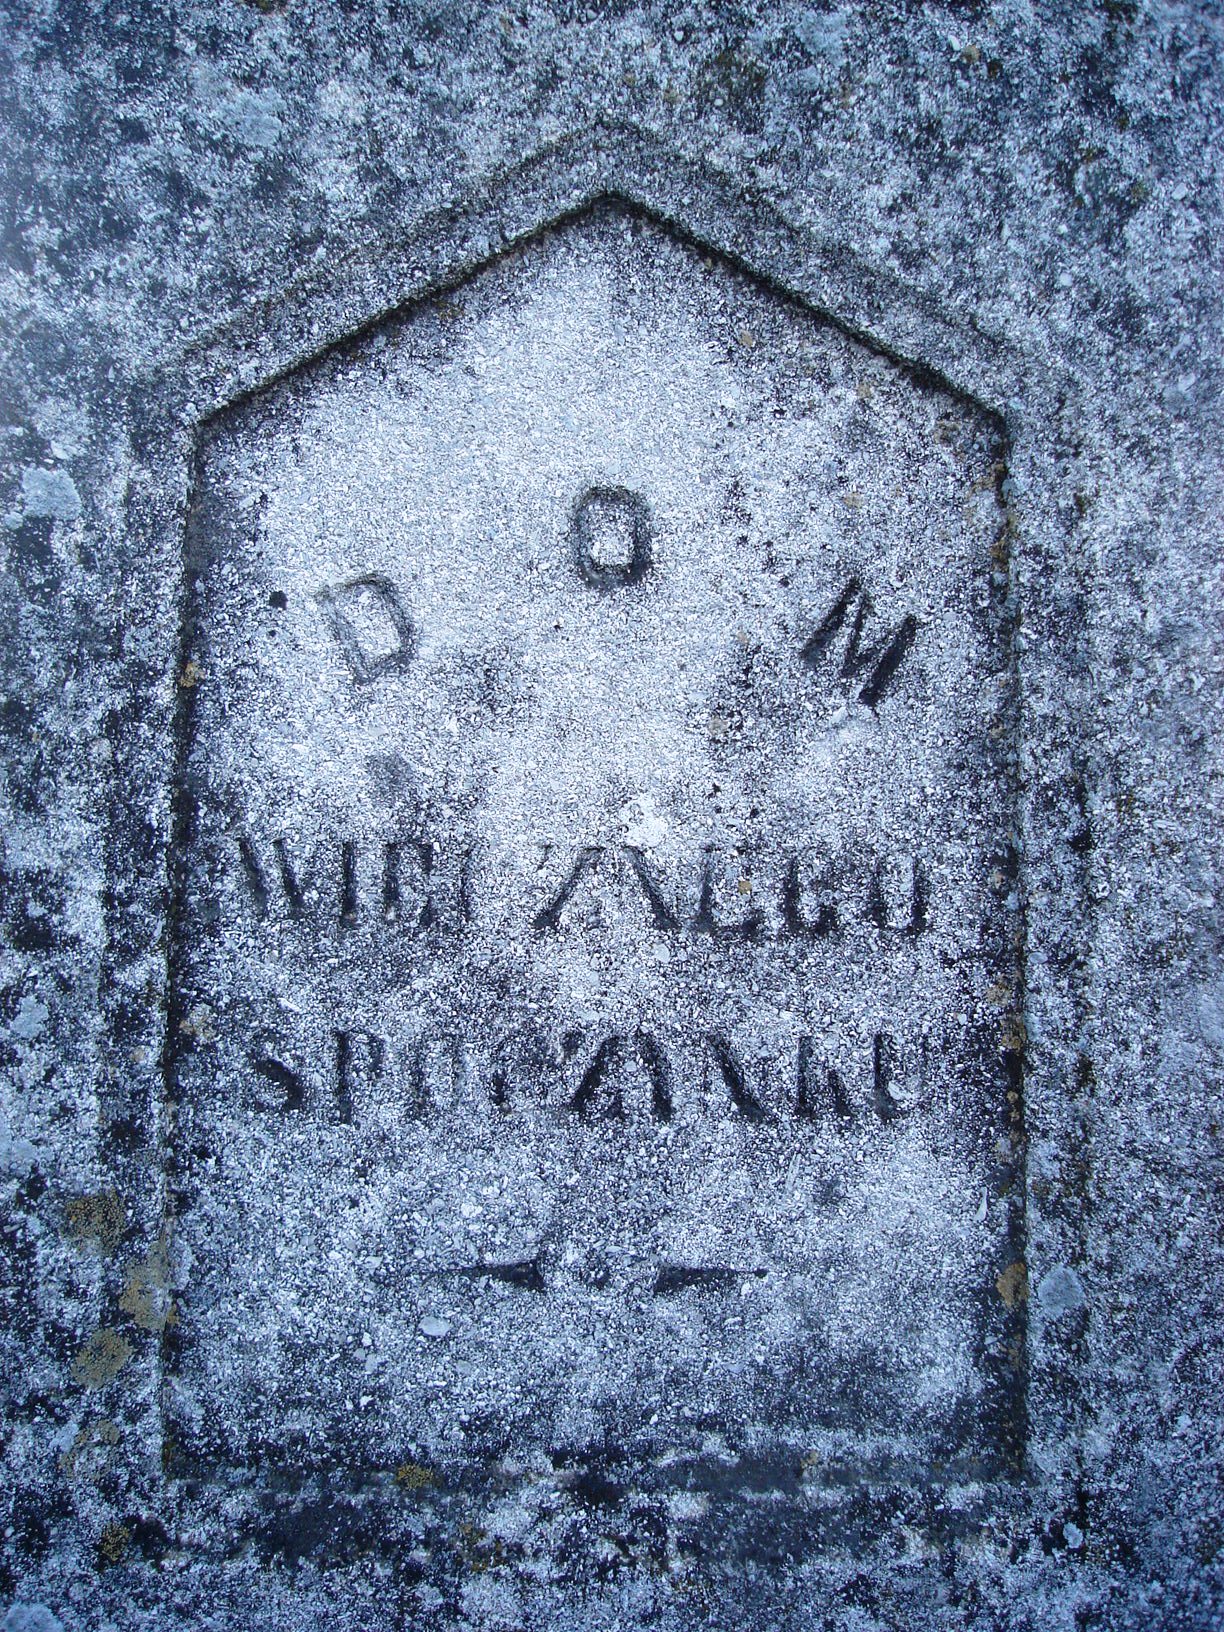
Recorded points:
(1016, 206)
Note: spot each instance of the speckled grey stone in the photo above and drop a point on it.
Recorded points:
(329, 568)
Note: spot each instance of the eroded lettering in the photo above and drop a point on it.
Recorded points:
(875, 664)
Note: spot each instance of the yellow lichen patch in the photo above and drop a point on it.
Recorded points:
(199, 1024)
(1012, 1035)
(101, 1435)
(97, 1221)
(1001, 549)
(101, 1357)
(412, 1476)
(1012, 1284)
(478, 1550)
(113, 1543)
(993, 478)
(191, 674)
(146, 1295)
(999, 996)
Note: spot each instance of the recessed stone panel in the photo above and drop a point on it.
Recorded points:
(595, 952)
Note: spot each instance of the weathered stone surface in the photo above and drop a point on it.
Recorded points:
(611, 1004)
(593, 917)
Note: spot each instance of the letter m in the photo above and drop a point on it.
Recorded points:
(874, 664)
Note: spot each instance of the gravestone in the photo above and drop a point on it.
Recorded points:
(611, 1011)
(594, 916)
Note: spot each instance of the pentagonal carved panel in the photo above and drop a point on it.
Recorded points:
(595, 945)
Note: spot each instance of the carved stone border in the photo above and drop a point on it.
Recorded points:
(1051, 609)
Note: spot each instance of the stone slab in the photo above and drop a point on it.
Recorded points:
(797, 1070)
(595, 926)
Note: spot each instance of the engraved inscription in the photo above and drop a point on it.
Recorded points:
(701, 1072)
(599, 877)
(370, 625)
(873, 663)
(413, 885)
(612, 536)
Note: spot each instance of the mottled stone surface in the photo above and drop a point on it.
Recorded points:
(611, 997)
(586, 929)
